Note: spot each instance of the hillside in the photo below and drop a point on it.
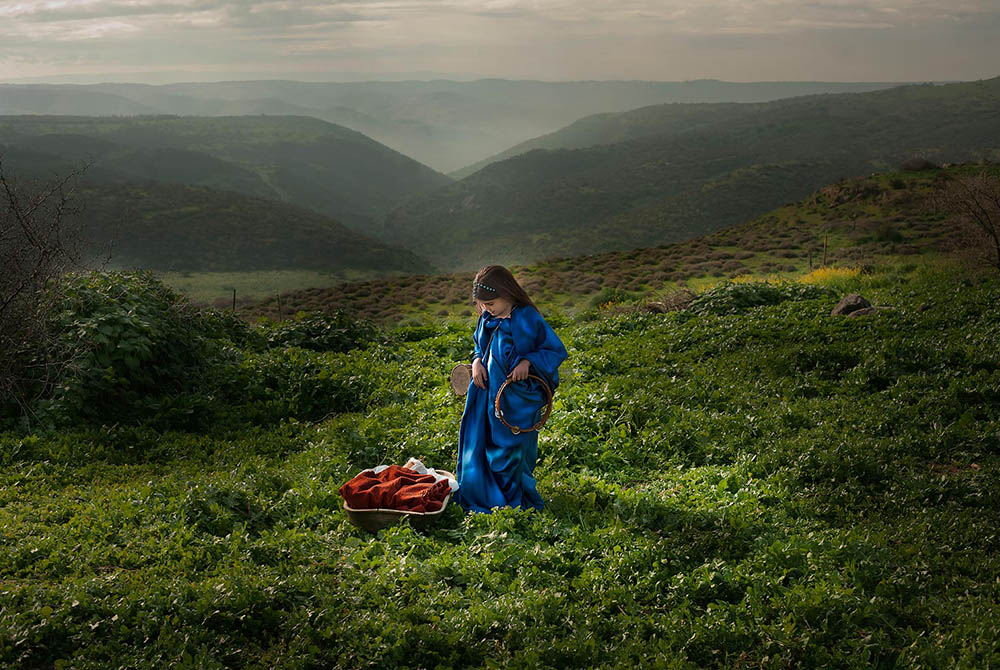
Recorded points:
(176, 227)
(444, 124)
(877, 220)
(681, 119)
(752, 487)
(673, 172)
(302, 161)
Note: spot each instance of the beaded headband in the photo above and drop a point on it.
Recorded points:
(477, 286)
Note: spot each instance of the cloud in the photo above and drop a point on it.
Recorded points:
(488, 36)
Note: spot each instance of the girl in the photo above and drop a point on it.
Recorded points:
(512, 340)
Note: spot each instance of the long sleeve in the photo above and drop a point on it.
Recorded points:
(477, 336)
(539, 345)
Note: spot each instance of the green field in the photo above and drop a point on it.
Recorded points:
(216, 288)
(729, 486)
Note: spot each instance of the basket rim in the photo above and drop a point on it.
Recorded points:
(401, 512)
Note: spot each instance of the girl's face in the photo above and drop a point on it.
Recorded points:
(498, 307)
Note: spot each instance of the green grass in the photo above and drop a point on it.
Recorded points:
(772, 487)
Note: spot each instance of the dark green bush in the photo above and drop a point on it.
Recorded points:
(611, 295)
(138, 351)
(733, 297)
(335, 332)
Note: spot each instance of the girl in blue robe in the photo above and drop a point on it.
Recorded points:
(512, 340)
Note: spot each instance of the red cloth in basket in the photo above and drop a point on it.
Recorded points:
(397, 488)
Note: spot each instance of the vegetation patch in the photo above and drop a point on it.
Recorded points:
(751, 484)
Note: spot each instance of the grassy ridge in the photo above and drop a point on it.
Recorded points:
(881, 218)
(809, 109)
(764, 487)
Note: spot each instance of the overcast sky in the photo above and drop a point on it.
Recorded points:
(736, 40)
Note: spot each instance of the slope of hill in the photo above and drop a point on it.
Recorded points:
(679, 119)
(773, 488)
(687, 172)
(884, 218)
(303, 161)
(444, 124)
(190, 228)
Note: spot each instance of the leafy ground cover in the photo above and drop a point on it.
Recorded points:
(754, 483)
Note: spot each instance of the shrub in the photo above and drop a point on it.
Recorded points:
(138, 351)
(732, 297)
(37, 245)
(831, 275)
(611, 295)
(337, 332)
(918, 164)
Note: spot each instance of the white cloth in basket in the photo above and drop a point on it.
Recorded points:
(418, 467)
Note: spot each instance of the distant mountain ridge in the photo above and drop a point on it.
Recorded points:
(300, 160)
(445, 124)
(671, 172)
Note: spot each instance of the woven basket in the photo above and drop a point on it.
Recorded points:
(375, 519)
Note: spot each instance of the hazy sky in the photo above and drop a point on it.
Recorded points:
(735, 40)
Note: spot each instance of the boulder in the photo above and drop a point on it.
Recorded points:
(850, 303)
(864, 311)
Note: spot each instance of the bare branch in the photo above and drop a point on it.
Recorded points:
(975, 203)
(36, 246)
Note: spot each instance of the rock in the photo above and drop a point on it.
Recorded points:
(864, 311)
(850, 303)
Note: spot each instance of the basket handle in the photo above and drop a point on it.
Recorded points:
(545, 417)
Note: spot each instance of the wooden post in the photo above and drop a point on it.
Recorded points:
(824, 251)
(281, 316)
(810, 259)
(234, 300)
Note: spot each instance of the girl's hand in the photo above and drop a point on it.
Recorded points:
(520, 371)
(479, 376)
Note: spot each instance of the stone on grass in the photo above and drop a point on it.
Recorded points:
(850, 303)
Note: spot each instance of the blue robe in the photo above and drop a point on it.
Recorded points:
(495, 466)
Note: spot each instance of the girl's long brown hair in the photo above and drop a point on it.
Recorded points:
(503, 284)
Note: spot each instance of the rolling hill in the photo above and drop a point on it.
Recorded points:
(444, 124)
(303, 161)
(176, 227)
(673, 172)
(879, 220)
